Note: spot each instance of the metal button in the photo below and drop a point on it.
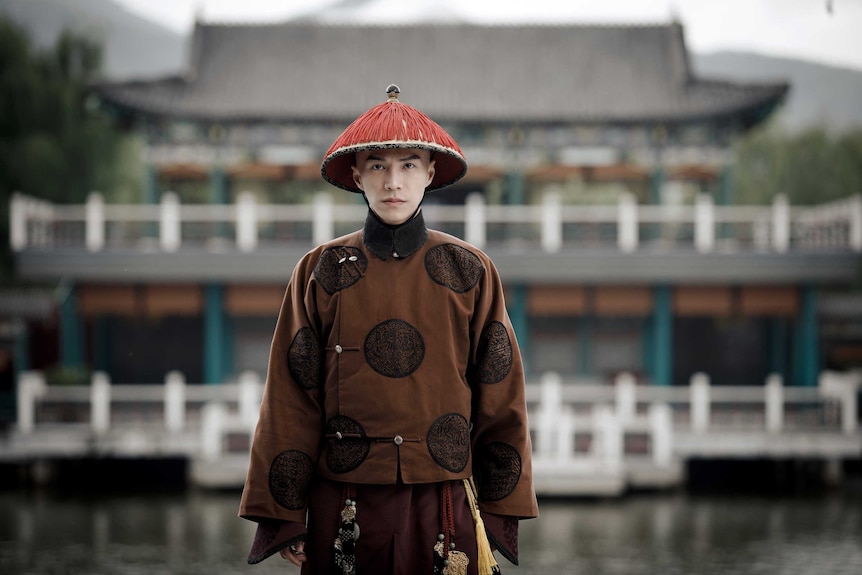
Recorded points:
(342, 260)
(338, 349)
(398, 440)
(353, 258)
(395, 255)
(338, 435)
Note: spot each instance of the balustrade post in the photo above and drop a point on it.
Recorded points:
(856, 223)
(31, 385)
(95, 222)
(175, 401)
(323, 219)
(607, 437)
(169, 222)
(18, 214)
(475, 228)
(212, 430)
(552, 222)
(625, 389)
(780, 223)
(661, 433)
(704, 224)
(100, 402)
(627, 223)
(565, 435)
(246, 222)
(250, 394)
(774, 403)
(700, 402)
(549, 412)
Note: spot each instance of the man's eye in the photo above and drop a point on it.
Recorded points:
(409, 165)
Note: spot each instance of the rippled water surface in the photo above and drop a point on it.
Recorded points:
(199, 533)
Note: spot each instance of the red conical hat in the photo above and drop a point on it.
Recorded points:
(393, 125)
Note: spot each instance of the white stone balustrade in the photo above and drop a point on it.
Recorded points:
(836, 225)
(559, 413)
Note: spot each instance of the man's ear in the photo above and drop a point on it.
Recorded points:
(431, 172)
(357, 178)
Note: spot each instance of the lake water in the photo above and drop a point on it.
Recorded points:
(666, 534)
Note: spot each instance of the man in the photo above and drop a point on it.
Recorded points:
(394, 378)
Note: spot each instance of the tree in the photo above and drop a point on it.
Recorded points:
(811, 167)
(54, 142)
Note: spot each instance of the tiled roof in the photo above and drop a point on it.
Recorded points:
(453, 72)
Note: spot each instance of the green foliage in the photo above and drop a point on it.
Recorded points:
(811, 167)
(54, 143)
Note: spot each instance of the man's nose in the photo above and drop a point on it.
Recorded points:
(393, 180)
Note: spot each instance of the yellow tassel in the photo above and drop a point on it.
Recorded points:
(487, 563)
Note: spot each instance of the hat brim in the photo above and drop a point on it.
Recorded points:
(449, 166)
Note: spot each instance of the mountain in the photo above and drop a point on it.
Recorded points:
(133, 46)
(820, 95)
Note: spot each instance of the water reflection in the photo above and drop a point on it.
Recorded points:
(199, 532)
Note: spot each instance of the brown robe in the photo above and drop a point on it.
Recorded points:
(393, 363)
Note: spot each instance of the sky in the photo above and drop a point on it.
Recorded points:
(822, 31)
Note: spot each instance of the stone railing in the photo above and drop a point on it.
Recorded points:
(550, 225)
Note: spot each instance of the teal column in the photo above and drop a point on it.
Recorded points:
(778, 347)
(214, 334)
(653, 231)
(22, 348)
(662, 337)
(584, 362)
(806, 364)
(648, 345)
(71, 330)
(516, 194)
(102, 343)
(227, 343)
(519, 316)
(218, 195)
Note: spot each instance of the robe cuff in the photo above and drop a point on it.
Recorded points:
(272, 536)
(502, 532)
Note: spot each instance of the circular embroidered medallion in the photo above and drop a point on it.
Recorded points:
(340, 267)
(394, 348)
(449, 441)
(349, 450)
(495, 354)
(499, 471)
(289, 477)
(303, 359)
(454, 267)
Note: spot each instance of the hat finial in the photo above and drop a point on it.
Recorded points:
(392, 91)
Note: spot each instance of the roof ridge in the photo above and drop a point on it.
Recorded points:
(307, 22)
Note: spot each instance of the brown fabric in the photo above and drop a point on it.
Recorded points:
(273, 536)
(403, 370)
(398, 526)
(502, 532)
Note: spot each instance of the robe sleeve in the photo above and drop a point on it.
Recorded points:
(502, 452)
(287, 437)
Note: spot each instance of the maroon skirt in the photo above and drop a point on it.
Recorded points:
(398, 524)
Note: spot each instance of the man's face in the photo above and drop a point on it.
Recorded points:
(394, 181)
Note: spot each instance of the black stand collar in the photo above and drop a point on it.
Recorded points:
(386, 241)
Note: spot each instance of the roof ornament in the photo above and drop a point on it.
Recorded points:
(392, 91)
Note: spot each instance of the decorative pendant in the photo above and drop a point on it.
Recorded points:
(348, 534)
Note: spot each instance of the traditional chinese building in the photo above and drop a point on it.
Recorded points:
(599, 181)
